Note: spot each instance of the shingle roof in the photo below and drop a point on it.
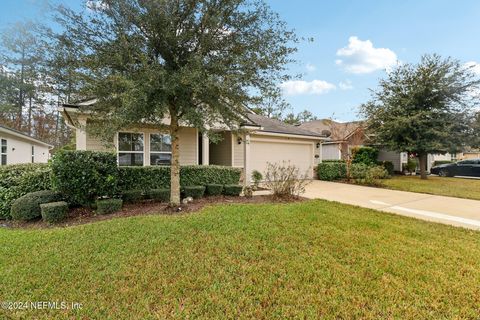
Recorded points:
(23, 134)
(338, 130)
(267, 124)
(276, 126)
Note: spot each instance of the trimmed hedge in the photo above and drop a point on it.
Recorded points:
(158, 177)
(27, 207)
(18, 180)
(132, 196)
(331, 171)
(82, 176)
(214, 189)
(196, 192)
(54, 211)
(232, 190)
(162, 195)
(105, 206)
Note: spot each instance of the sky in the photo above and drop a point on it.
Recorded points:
(354, 43)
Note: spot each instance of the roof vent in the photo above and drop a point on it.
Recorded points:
(326, 133)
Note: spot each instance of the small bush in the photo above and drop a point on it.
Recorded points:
(256, 178)
(214, 189)
(334, 161)
(132, 196)
(232, 190)
(368, 175)
(54, 211)
(105, 206)
(195, 192)
(162, 195)
(18, 180)
(332, 171)
(285, 180)
(411, 165)
(365, 155)
(388, 165)
(27, 207)
(82, 176)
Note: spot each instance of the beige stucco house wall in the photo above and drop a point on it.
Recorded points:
(18, 148)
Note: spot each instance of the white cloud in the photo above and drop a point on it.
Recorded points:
(362, 57)
(297, 87)
(310, 67)
(475, 66)
(345, 85)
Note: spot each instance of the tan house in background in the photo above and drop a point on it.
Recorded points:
(254, 143)
(16, 148)
(347, 135)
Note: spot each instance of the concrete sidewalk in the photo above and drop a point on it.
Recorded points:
(447, 210)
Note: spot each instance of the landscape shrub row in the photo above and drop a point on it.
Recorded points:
(359, 172)
(83, 176)
(196, 192)
(146, 178)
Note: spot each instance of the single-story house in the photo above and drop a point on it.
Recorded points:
(17, 147)
(250, 146)
(343, 136)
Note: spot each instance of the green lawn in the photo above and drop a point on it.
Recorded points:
(301, 260)
(452, 187)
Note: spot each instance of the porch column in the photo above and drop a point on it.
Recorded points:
(81, 135)
(246, 160)
(205, 149)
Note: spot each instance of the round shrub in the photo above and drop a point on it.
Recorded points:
(232, 190)
(214, 189)
(105, 206)
(162, 195)
(132, 196)
(54, 211)
(27, 207)
(195, 192)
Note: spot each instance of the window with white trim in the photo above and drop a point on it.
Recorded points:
(130, 149)
(160, 149)
(33, 154)
(3, 152)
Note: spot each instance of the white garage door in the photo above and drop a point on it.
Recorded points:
(298, 153)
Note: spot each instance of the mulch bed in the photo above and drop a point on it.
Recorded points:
(78, 216)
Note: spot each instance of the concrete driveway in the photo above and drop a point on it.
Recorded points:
(447, 210)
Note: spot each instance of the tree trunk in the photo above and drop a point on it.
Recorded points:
(30, 116)
(422, 162)
(175, 165)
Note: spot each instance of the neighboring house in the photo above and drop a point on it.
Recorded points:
(343, 136)
(17, 147)
(257, 141)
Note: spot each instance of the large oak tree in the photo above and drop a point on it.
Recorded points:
(194, 62)
(423, 108)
